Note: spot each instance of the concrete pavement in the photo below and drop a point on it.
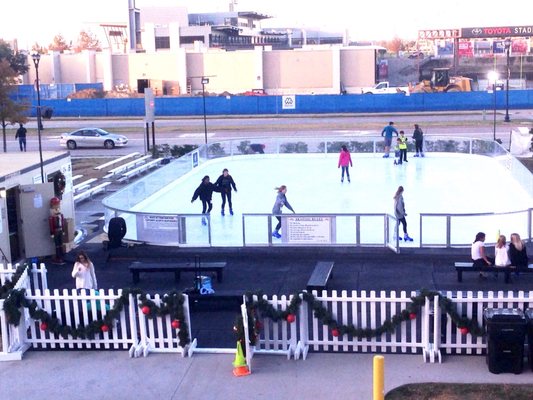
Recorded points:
(112, 375)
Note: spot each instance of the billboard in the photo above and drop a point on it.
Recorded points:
(501, 31)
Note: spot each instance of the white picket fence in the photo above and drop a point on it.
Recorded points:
(38, 275)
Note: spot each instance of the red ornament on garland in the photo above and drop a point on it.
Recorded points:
(463, 330)
(104, 328)
(44, 326)
(258, 325)
(335, 332)
(412, 315)
(291, 318)
(146, 310)
(176, 324)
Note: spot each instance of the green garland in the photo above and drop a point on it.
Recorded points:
(172, 304)
(326, 318)
(10, 284)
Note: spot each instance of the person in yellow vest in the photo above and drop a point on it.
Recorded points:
(403, 146)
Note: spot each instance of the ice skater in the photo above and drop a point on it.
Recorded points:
(418, 136)
(205, 192)
(397, 153)
(399, 212)
(225, 182)
(281, 200)
(387, 133)
(403, 146)
(345, 160)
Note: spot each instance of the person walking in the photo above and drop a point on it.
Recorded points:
(281, 200)
(21, 136)
(225, 182)
(83, 272)
(387, 133)
(518, 253)
(399, 212)
(205, 192)
(478, 254)
(418, 136)
(345, 160)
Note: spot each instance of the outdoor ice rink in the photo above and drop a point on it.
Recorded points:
(438, 183)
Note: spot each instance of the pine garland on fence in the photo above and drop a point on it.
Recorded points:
(172, 305)
(10, 283)
(466, 325)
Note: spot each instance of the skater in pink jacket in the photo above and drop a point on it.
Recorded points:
(345, 160)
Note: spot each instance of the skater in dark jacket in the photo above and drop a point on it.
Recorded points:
(225, 182)
(205, 192)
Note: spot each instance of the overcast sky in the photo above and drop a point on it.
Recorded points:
(33, 20)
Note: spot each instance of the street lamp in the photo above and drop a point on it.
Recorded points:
(36, 58)
(507, 49)
(205, 81)
(493, 78)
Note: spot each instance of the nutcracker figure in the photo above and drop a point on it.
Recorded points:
(56, 222)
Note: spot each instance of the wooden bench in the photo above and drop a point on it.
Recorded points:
(461, 267)
(319, 278)
(137, 267)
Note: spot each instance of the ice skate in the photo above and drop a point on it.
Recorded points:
(276, 234)
(407, 238)
(231, 211)
(204, 221)
(222, 212)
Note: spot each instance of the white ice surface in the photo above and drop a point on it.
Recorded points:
(438, 183)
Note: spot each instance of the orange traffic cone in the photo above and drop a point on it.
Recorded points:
(240, 367)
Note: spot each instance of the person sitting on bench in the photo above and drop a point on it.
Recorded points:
(479, 257)
(518, 253)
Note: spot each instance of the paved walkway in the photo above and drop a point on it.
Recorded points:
(112, 375)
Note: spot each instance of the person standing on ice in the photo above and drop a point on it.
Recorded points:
(345, 160)
(387, 133)
(225, 182)
(399, 212)
(281, 200)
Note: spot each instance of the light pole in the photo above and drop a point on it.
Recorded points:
(507, 49)
(36, 58)
(493, 77)
(205, 81)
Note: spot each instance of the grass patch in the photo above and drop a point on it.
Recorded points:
(455, 391)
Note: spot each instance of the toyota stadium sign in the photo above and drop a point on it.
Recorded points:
(500, 31)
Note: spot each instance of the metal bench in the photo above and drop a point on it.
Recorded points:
(116, 161)
(139, 170)
(87, 194)
(178, 267)
(320, 276)
(83, 185)
(461, 267)
(126, 167)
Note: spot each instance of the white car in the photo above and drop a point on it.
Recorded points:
(92, 137)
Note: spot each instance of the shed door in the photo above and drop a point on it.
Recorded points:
(34, 209)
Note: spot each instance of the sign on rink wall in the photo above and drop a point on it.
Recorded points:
(307, 230)
(160, 228)
(288, 102)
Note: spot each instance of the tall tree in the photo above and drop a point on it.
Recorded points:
(87, 41)
(11, 112)
(59, 44)
(17, 61)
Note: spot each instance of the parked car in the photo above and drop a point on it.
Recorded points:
(92, 137)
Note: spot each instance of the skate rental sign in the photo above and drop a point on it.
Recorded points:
(308, 230)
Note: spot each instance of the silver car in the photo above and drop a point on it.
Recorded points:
(92, 137)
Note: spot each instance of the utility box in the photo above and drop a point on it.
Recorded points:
(506, 333)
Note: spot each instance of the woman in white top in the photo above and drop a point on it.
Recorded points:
(477, 251)
(83, 271)
(501, 253)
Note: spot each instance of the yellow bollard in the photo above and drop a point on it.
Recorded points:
(379, 378)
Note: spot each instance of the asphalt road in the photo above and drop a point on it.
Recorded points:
(180, 131)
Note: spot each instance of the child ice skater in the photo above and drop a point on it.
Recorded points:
(345, 160)
(205, 192)
(281, 200)
(397, 153)
(225, 182)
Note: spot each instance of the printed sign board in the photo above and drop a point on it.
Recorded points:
(288, 102)
(308, 230)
